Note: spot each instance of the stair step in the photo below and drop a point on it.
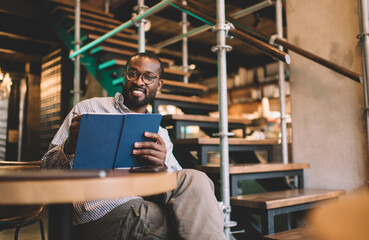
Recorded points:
(231, 141)
(203, 118)
(97, 30)
(279, 199)
(301, 233)
(117, 42)
(177, 98)
(84, 7)
(247, 168)
(123, 52)
(183, 88)
(122, 63)
(102, 24)
(112, 63)
(92, 16)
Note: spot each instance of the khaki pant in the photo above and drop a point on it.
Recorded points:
(190, 212)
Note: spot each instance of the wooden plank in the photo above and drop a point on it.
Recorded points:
(203, 118)
(90, 15)
(302, 233)
(103, 31)
(254, 167)
(119, 42)
(186, 85)
(121, 62)
(84, 7)
(271, 200)
(177, 98)
(232, 141)
(102, 24)
(27, 39)
(129, 53)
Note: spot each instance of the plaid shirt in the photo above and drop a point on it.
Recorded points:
(84, 212)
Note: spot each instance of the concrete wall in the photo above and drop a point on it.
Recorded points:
(327, 108)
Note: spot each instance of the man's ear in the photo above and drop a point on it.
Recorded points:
(160, 84)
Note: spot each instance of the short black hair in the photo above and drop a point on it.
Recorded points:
(149, 55)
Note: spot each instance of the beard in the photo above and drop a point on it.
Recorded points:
(134, 102)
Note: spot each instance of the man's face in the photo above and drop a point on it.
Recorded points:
(137, 94)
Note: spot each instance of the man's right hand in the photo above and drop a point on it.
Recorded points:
(71, 143)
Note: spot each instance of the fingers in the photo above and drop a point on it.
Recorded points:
(154, 152)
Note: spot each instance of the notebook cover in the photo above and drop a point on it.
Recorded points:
(135, 125)
(97, 141)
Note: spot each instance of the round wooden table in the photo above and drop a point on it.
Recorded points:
(60, 188)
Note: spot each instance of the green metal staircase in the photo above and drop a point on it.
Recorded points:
(106, 61)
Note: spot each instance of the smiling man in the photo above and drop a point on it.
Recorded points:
(190, 211)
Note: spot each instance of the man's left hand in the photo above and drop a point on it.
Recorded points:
(152, 151)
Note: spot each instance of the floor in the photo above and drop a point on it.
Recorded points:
(31, 232)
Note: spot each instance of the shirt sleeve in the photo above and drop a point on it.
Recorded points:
(170, 161)
(55, 156)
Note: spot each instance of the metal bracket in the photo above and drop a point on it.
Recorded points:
(74, 59)
(223, 134)
(217, 48)
(272, 39)
(134, 15)
(226, 27)
(138, 8)
(362, 35)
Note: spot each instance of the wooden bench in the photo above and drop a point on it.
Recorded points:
(205, 145)
(184, 102)
(301, 233)
(204, 122)
(254, 171)
(270, 204)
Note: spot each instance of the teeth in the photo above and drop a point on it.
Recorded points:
(137, 91)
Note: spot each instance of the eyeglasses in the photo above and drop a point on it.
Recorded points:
(147, 78)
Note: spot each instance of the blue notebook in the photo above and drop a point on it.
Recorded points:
(105, 141)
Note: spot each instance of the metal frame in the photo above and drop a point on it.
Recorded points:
(364, 36)
(281, 80)
(77, 60)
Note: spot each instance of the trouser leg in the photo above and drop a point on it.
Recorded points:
(195, 209)
(134, 220)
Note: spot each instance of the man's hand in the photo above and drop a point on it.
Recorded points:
(154, 152)
(71, 143)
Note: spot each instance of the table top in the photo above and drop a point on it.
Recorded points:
(58, 190)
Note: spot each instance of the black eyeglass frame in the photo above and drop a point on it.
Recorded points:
(142, 75)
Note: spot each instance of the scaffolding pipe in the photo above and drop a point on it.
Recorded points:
(184, 44)
(271, 39)
(141, 26)
(222, 28)
(282, 96)
(252, 9)
(198, 30)
(156, 8)
(77, 60)
(364, 36)
(256, 43)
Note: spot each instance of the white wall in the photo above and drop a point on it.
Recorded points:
(327, 108)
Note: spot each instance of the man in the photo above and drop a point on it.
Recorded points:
(188, 212)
